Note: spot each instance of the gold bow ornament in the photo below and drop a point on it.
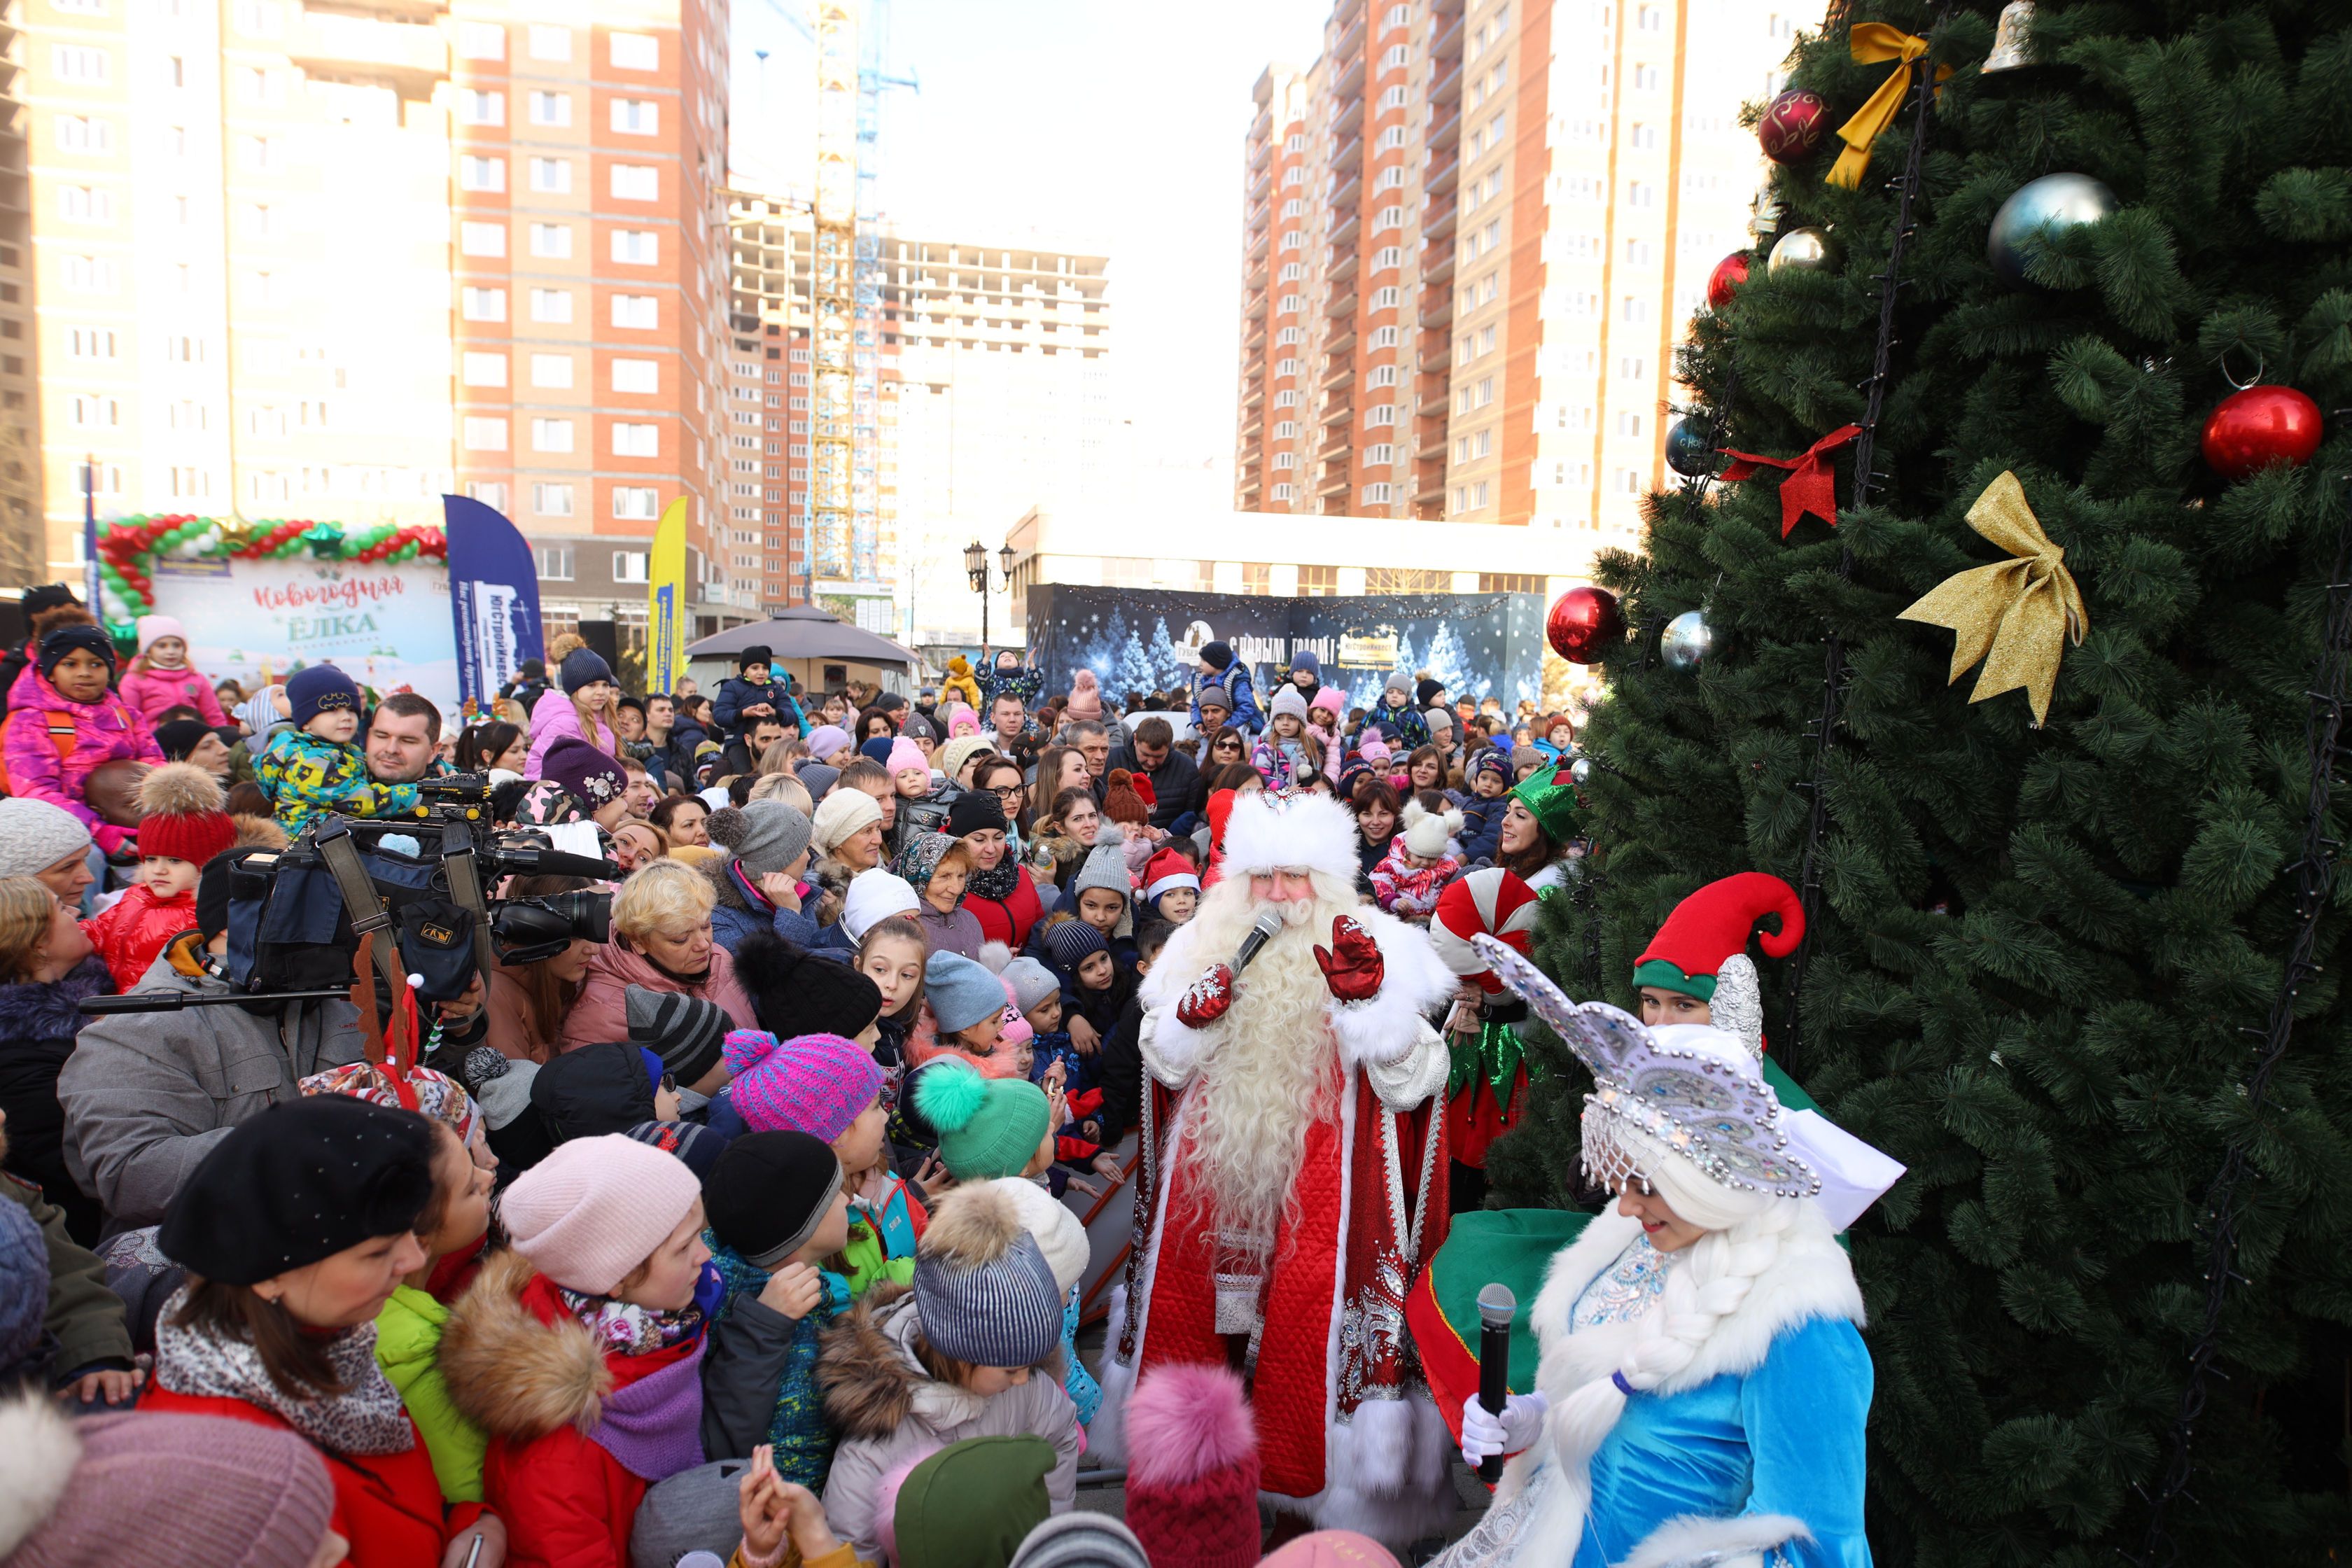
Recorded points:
(1871, 43)
(2016, 616)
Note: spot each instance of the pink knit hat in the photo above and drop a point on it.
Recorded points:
(597, 1207)
(1374, 751)
(816, 1084)
(1085, 697)
(905, 755)
(1330, 700)
(961, 721)
(1192, 1480)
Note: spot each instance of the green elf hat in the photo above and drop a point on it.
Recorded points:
(1552, 802)
(1712, 926)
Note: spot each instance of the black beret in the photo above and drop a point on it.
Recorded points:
(304, 1179)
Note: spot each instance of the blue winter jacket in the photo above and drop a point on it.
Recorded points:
(1239, 691)
(736, 694)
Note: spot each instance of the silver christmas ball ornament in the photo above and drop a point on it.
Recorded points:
(1580, 772)
(1806, 249)
(1688, 640)
(2050, 205)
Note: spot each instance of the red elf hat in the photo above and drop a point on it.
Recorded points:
(1712, 925)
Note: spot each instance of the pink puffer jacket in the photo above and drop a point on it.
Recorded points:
(102, 732)
(149, 691)
(553, 717)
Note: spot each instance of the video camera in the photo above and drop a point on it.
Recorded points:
(298, 915)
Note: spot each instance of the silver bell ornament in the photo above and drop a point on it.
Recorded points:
(1806, 249)
(1687, 641)
(2011, 49)
(2050, 205)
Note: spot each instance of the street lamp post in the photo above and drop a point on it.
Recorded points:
(975, 566)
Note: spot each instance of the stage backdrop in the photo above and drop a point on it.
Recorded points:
(1145, 639)
(383, 623)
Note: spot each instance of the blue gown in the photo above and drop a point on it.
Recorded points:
(1785, 1437)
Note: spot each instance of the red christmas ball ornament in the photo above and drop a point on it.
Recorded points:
(1729, 273)
(1584, 624)
(1793, 125)
(2252, 429)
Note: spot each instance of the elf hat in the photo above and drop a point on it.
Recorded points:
(1702, 950)
(1552, 802)
(1166, 872)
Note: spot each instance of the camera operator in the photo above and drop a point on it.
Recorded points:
(401, 737)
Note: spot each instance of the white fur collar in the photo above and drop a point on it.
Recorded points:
(1812, 1278)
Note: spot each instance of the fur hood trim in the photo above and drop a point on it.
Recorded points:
(511, 1374)
(37, 1011)
(867, 1372)
(39, 1451)
(722, 885)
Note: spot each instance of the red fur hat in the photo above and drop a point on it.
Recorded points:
(181, 815)
(1192, 1482)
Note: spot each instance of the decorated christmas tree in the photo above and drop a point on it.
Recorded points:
(2023, 663)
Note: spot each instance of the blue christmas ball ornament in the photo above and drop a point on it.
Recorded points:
(2050, 205)
(1690, 448)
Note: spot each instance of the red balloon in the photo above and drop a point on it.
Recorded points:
(1729, 273)
(2252, 429)
(1793, 125)
(1584, 624)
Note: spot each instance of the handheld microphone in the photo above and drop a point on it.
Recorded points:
(1260, 932)
(1496, 1307)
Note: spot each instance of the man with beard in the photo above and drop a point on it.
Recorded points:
(1293, 1183)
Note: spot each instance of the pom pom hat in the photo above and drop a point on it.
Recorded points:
(1426, 831)
(1191, 1487)
(984, 1291)
(1712, 925)
(816, 1084)
(597, 1207)
(1305, 833)
(181, 813)
(988, 1127)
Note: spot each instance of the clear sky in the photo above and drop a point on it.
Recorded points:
(1102, 125)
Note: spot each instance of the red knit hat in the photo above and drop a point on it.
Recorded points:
(1712, 925)
(1192, 1481)
(181, 815)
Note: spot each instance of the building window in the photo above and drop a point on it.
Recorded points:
(1382, 375)
(635, 51)
(1407, 580)
(490, 492)
(481, 41)
(636, 376)
(551, 305)
(485, 304)
(1380, 415)
(1257, 577)
(550, 42)
(1511, 583)
(1318, 582)
(81, 133)
(1284, 492)
(1629, 424)
(90, 275)
(1384, 337)
(482, 238)
(486, 370)
(486, 434)
(638, 311)
(555, 561)
(636, 182)
(85, 204)
(72, 62)
(550, 109)
(1377, 494)
(551, 176)
(89, 343)
(551, 435)
(1283, 460)
(1628, 483)
(630, 566)
(632, 440)
(1380, 455)
(635, 503)
(550, 240)
(551, 370)
(635, 116)
(1646, 78)
(1387, 257)
(1286, 398)
(476, 107)
(1286, 429)
(91, 413)
(636, 246)
(482, 173)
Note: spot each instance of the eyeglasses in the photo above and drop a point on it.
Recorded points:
(1009, 792)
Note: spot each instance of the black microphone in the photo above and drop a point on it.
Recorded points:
(1496, 1307)
(1263, 930)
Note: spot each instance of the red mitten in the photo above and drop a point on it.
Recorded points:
(1205, 1000)
(1352, 965)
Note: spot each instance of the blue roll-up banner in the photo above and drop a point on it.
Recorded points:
(493, 600)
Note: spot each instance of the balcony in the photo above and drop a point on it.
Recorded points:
(1341, 269)
(1343, 343)
(1254, 282)
(330, 46)
(1439, 269)
(1434, 318)
(1347, 114)
(1256, 396)
(1335, 443)
(1343, 194)
(1445, 133)
(1334, 484)
(1441, 175)
(1339, 372)
(1340, 412)
(1344, 235)
(1260, 151)
(1256, 251)
(1255, 308)
(1433, 405)
(1439, 218)
(1251, 431)
(1261, 183)
(1447, 48)
(1449, 85)
(1344, 306)
(1349, 157)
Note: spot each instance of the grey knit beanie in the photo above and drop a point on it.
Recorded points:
(1007, 1311)
(1105, 865)
(1032, 983)
(35, 836)
(1081, 1539)
(766, 834)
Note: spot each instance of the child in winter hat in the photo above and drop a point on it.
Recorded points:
(910, 771)
(828, 742)
(1063, 1239)
(159, 679)
(316, 767)
(966, 1003)
(580, 1351)
(1085, 697)
(1171, 887)
(874, 895)
(1418, 865)
(988, 1127)
(65, 700)
(777, 1210)
(181, 826)
(951, 1361)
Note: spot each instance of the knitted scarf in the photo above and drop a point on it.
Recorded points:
(997, 883)
(365, 1418)
(628, 1329)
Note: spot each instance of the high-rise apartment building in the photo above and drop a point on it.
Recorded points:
(1473, 232)
(23, 534)
(301, 257)
(994, 371)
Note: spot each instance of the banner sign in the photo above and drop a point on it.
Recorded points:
(1149, 640)
(665, 626)
(493, 600)
(384, 624)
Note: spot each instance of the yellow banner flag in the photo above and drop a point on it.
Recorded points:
(666, 622)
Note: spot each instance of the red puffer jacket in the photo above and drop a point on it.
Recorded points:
(388, 1506)
(1008, 920)
(139, 926)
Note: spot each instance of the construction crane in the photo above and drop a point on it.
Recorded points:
(842, 543)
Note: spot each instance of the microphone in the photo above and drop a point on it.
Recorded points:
(1496, 1307)
(1260, 932)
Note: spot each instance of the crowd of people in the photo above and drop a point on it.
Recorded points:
(743, 1225)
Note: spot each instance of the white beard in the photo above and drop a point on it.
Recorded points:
(1273, 1072)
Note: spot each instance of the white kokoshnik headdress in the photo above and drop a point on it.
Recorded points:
(1695, 1103)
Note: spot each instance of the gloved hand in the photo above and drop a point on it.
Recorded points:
(1516, 1428)
(1205, 1000)
(1352, 965)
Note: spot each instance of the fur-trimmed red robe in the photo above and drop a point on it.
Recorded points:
(1347, 1433)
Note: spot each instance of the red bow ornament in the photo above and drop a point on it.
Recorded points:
(1811, 485)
